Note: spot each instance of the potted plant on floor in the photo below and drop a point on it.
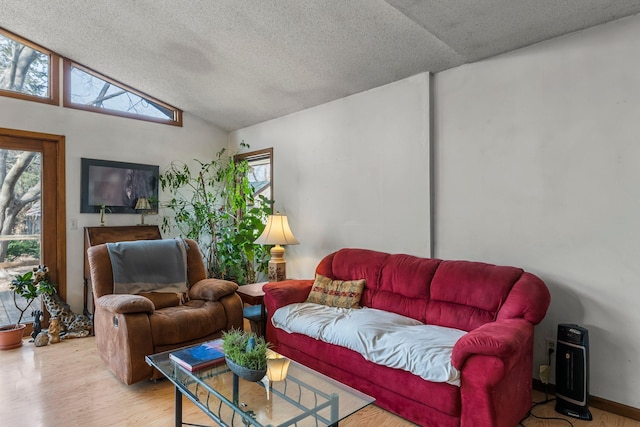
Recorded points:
(29, 286)
(245, 353)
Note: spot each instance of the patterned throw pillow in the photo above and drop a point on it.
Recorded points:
(336, 293)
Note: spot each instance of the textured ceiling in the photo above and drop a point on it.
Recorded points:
(236, 63)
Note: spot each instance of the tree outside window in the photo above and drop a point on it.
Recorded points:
(26, 70)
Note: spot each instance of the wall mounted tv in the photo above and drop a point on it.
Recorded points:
(117, 186)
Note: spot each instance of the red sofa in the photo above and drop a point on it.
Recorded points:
(497, 306)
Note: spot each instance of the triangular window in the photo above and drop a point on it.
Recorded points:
(86, 89)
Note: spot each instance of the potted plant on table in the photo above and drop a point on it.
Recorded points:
(245, 353)
(29, 286)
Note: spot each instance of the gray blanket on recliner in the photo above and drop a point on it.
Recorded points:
(149, 266)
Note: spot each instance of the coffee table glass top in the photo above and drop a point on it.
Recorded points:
(303, 398)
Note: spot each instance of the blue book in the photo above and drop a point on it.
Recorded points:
(199, 356)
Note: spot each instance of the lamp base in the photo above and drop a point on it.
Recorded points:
(277, 265)
(142, 220)
(277, 270)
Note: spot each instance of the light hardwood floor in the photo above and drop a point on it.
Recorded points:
(66, 384)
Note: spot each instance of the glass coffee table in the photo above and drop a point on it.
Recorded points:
(299, 397)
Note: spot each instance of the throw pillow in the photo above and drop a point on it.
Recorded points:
(336, 293)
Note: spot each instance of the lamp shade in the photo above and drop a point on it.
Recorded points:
(277, 232)
(277, 366)
(142, 204)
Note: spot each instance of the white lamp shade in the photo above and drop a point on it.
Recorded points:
(277, 232)
(277, 366)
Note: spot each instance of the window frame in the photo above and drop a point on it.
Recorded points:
(259, 155)
(66, 98)
(54, 73)
(53, 250)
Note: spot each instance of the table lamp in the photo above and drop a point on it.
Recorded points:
(142, 205)
(277, 366)
(277, 232)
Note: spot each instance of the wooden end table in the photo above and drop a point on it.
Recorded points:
(253, 295)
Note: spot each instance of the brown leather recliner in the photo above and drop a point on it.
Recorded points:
(130, 327)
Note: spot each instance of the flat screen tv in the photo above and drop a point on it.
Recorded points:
(117, 186)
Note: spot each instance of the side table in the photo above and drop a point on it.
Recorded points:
(253, 295)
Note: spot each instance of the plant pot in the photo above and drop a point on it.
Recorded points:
(246, 373)
(11, 336)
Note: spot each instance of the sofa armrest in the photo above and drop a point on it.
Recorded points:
(279, 294)
(505, 339)
(125, 304)
(212, 289)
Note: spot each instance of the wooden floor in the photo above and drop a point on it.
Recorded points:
(66, 384)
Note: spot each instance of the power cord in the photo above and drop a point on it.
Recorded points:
(544, 402)
(531, 414)
(550, 351)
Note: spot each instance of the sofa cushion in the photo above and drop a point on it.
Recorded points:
(466, 295)
(336, 293)
(381, 337)
(404, 285)
(352, 264)
(164, 299)
(186, 322)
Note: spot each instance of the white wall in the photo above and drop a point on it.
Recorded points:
(352, 173)
(106, 137)
(536, 156)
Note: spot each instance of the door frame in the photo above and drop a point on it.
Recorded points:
(53, 198)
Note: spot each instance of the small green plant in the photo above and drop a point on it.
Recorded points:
(245, 349)
(30, 286)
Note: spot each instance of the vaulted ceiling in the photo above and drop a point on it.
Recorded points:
(235, 63)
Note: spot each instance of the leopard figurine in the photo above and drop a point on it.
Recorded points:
(72, 325)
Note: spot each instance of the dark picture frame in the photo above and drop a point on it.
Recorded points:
(117, 186)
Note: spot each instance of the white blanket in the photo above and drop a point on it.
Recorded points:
(379, 336)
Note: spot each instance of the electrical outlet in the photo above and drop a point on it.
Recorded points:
(551, 345)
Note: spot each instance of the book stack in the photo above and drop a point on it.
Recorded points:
(199, 356)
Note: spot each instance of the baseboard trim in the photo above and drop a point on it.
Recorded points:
(596, 402)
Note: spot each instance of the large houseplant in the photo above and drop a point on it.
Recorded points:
(215, 205)
(29, 286)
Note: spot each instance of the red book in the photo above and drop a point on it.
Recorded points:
(199, 356)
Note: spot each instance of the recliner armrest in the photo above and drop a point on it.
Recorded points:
(125, 303)
(212, 289)
(504, 339)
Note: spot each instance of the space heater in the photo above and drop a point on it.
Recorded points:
(572, 372)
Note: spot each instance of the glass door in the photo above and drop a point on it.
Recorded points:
(32, 214)
(20, 226)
